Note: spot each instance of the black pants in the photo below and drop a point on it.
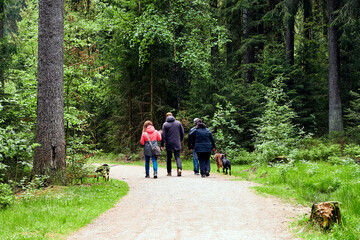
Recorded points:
(168, 159)
(204, 161)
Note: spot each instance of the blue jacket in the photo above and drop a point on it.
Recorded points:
(172, 134)
(201, 140)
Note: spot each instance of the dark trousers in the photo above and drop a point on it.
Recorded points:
(168, 159)
(204, 161)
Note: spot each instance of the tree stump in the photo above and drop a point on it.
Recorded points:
(326, 214)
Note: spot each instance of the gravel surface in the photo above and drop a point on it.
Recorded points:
(190, 207)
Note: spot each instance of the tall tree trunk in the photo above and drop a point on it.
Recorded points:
(228, 53)
(307, 35)
(49, 158)
(130, 109)
(151, 87)
(214, 49)
(175, 72)
(249, 56)
(307, 17)
(290, 30)
(2, 80)
(335, 108)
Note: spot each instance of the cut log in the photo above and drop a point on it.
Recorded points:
(326, 214)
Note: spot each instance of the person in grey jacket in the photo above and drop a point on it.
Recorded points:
(202, 141)
(172, 135)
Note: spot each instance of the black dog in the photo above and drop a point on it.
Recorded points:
(226, 164)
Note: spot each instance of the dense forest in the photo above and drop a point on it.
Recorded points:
(276, 81)
(259, 72)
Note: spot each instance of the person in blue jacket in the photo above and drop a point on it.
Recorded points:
(202, 142)
(195, 157)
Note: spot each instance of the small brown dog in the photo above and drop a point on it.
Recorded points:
(217, 157)
(222, 162)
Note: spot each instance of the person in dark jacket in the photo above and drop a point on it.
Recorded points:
(202, 142)
(172, 135)
(195, 157)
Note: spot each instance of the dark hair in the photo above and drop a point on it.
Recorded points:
(200, 124)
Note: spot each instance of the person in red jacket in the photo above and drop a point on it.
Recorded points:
(149, 132)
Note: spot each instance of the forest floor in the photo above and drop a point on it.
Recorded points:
(191, 207)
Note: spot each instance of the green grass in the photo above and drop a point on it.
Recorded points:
(56, 212)
(310, 182)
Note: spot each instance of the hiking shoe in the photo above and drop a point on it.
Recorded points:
(179, 172)
(147, 176)
(202, 175)
(169, 174)
(155, 174)
(207, 174)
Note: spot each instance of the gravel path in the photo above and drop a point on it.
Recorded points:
(190, 207)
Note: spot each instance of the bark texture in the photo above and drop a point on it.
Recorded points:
(1, 20)
(290, 31)
(335, 108)
(326, 214)
(1, 45)
(49, 157)
(249, 55)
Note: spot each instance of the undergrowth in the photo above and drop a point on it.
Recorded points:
(310, 182)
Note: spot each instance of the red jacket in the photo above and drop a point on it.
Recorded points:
(153, 135)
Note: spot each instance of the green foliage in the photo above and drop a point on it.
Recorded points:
(276, 133)
(6, 197)
(309, 182)
(225, 129)
(353, 116)
(29, 188)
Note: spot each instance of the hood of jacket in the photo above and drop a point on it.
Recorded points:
(170, 119)
(150, 129)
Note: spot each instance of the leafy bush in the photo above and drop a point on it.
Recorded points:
(29, 187)
(78, 168)
(225, 129)
(275, 133)
(319, 152)
(243, 157)
(6, 196)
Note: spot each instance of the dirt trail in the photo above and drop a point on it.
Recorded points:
(190, 207)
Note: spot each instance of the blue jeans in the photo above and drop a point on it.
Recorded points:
(147, 164)
(196, 162)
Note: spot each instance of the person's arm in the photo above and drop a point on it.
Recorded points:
(163, 136)
(158, 136)
(212, 139)
(191, 140)
(181, 132)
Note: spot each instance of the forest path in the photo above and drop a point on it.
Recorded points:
(190, 207)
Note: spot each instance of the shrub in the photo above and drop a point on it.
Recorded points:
(276, 134)
(243, 157)
(319, 152)
(6, 196)
(225, 129)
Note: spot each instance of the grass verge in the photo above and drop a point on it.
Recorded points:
(56, 212)
(310, 182)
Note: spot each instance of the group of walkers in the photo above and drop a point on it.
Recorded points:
(200, 142)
